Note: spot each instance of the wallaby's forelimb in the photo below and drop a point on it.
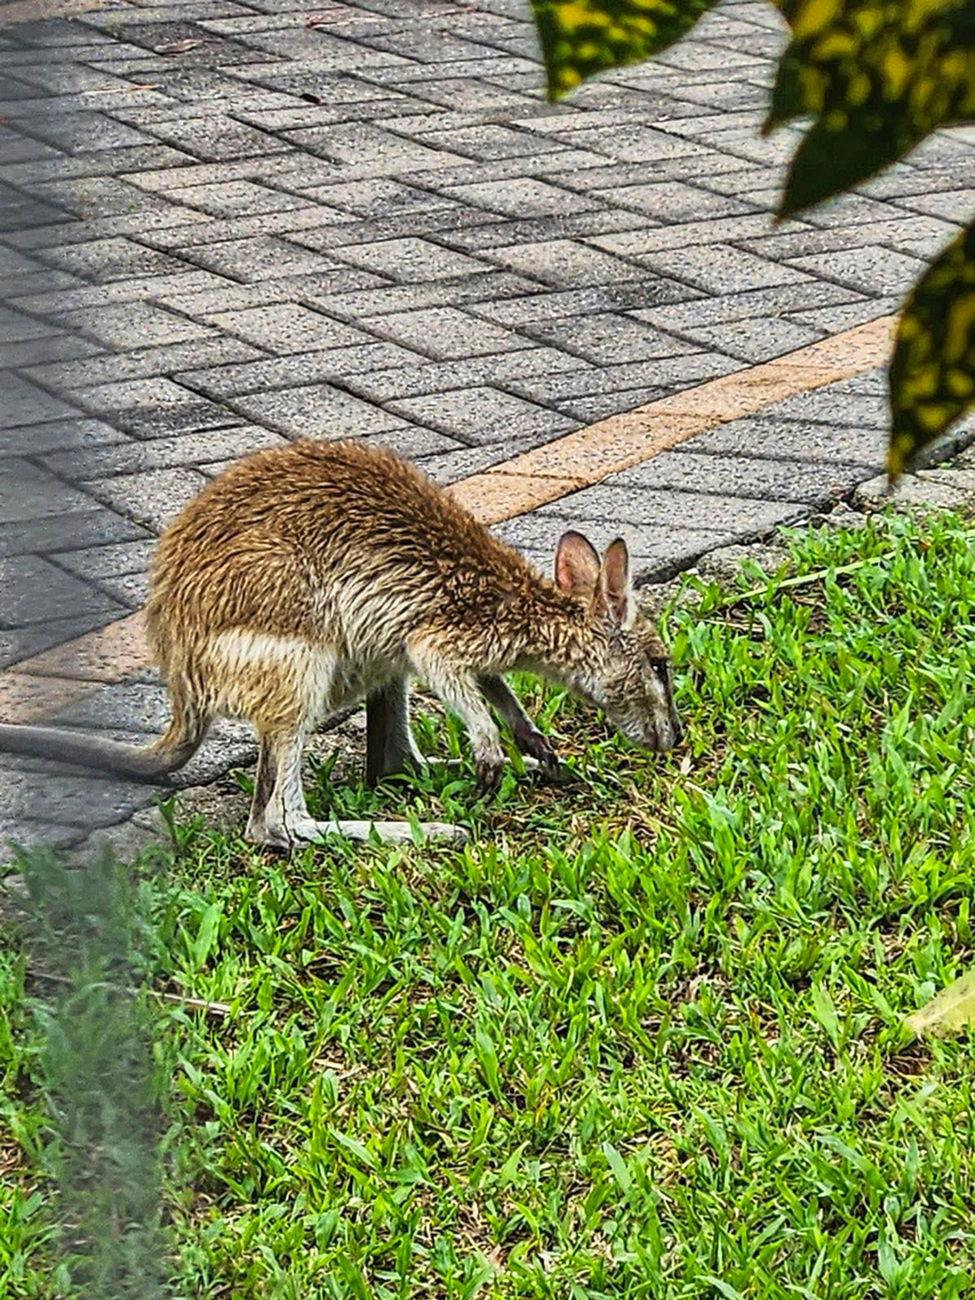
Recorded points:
(391, 749)
(526, 735)
(458, 689)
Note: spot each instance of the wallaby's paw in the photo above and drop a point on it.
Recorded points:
(538, 752)
(556, 772)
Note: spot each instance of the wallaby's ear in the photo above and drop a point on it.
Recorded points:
(615, 595)
(576, 565)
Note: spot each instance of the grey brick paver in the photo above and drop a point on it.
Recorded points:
(721, 268)
(487, 285)
(522, 197)
(135, 325)
(446, 333)
(608, 339)
(111, 367)
(772, 436)
(872, 269)
(258, 258)
(331, 365)
(676, 201)
(189, 450)
(110, 259)
(484, 415)
(409, 261)
(153, 407)
(566, 263)
(288, 327)
(36, 590)
(316, 411)
(669, 509)
(743, 476)
(234, 198)
(151, 498)
(29, 492)
(507, 368)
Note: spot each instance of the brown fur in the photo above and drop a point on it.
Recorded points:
(310, 576)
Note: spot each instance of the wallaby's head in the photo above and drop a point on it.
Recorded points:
(628, 672)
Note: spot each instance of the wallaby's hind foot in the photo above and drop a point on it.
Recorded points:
(309, 831)
(279, 816)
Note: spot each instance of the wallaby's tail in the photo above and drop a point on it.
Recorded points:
(150, 763)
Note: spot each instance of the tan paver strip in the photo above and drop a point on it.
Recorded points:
(621, 441)
(24, 698)
(39, 686)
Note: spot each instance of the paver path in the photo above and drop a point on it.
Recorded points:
(222, 227)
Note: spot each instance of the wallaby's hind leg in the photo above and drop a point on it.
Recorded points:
(390, 747)
(264, 782)
(283, 819)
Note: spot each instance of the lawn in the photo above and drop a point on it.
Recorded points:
(641, 1038)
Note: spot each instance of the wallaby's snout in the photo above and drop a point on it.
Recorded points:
(662, 728)
(629, 674)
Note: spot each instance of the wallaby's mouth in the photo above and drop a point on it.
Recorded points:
(658, 739)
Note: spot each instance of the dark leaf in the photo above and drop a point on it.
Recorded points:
(582, 37)
(932, 375)
(829, 162)
(877, 77)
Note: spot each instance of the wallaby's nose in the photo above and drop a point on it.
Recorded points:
(664, 738)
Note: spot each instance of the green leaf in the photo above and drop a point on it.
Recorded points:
(582, 37)
(509, 1170)
(355, 1148)
(207, 933)
(824, 1009)
(948, 1012)
(878, 77)
(723, 1288)
(618, 1165)
(488, 1058)
(932, 374)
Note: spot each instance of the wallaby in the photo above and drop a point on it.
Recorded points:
(309, 577)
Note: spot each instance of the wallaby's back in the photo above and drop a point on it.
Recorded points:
(317, 541)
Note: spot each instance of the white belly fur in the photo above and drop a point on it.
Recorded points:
(323, 680)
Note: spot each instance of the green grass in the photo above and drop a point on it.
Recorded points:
(641, 1038)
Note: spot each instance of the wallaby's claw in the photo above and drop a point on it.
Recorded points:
(556, 771)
